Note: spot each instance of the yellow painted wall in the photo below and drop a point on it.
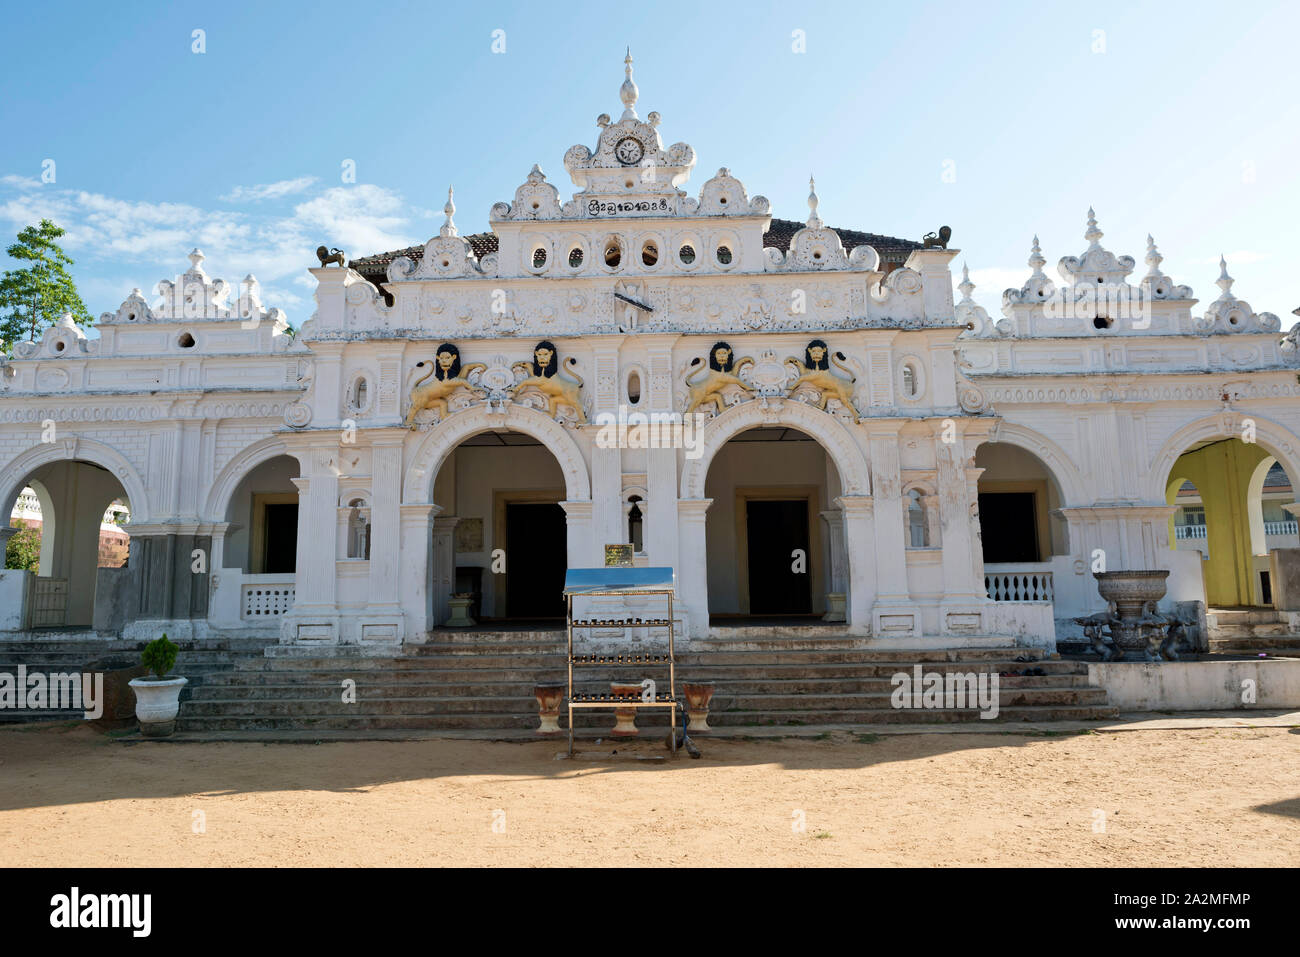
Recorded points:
(1221, 473)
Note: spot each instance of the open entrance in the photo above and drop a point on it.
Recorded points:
(1021, 526)
(72, 538)
(535, 526)
(262, 539)
(1229, 498)
(771, 529)
(502, 529)
(778, 533)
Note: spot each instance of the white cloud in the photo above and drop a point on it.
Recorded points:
(152, 239)
(20, 182)
(996, 279)
(277, 190)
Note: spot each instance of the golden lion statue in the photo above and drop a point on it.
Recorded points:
(815, 372)
(545, 378)
(721, 373)
(448, 377)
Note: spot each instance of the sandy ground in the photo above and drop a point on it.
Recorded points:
(1215, 797)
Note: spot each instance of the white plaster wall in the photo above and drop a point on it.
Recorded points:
(1198, 685)
(13, 594)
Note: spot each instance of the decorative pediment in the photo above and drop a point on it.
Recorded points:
(816, 247)
(535, 199)
(1230, 314)
(195, 296)
(1096, 265)
(724, 195)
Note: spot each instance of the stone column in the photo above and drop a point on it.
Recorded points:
(837, 580)
(581, 549)
(893, 613)
(860, 529)
(693, 565)
(417, 568)
(444, 565)
(385, 522)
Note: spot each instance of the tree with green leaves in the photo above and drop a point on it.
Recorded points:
(24, 548)
(36, 295)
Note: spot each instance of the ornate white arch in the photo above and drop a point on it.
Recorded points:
(77, 447)
(829, 432)
(1057, 460)
(432, 451)
(244, 461)
(1275, 438)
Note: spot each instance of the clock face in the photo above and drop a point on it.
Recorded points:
(628, 150)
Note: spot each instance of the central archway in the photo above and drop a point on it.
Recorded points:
(822, 427)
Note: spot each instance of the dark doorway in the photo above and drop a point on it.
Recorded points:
(775, 530)
(536, 557)
(281, 552)
(1009, 527)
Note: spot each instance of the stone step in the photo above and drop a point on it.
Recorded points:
(228, 686)
(648, 721)
(1254, 645)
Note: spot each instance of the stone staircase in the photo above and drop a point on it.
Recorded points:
(1252, 631)
(198, 660)
(484, 682)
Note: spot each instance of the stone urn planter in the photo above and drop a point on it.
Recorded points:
(157, 702)
(1134, 596)
(460, 605)
(549, 698)
(158, 697)
(698, 695)
(625, 718)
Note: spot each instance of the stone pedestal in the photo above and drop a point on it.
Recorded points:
(836, 607)
(459, 617)
(1284, 574)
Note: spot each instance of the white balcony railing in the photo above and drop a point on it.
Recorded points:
(1019, 586)
(1281, 528)
(266, 600)
(1192, 531)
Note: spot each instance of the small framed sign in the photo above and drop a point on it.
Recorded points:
(618, 556)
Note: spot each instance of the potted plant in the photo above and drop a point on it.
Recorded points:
(158, 694)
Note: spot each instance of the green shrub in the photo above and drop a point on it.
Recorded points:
(160, 656)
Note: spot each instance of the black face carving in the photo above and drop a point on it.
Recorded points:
(446, 363)
(823, 358)
(546, 360)
(726, 363)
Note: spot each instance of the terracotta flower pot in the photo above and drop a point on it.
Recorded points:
(549, 698)
(625, 718)
(698, 696)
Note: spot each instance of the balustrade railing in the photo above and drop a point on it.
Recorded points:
(1019, 586)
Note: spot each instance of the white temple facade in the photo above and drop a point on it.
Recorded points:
(808, 428)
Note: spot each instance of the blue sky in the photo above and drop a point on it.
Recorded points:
(1178, 119)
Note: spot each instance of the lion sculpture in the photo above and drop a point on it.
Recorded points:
(448, 376)
(545, 377)
(816, 373)
(721, 373)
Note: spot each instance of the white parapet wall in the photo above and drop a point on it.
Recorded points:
(13, 599)
(1199, 685)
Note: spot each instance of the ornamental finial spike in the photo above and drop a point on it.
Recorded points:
(966, 286)
(1153, 257)
(1224, 281)
(1036, 260)
(449, 227)
(1093, 234)
(196, 257)
(628, 92)
(814, 221)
